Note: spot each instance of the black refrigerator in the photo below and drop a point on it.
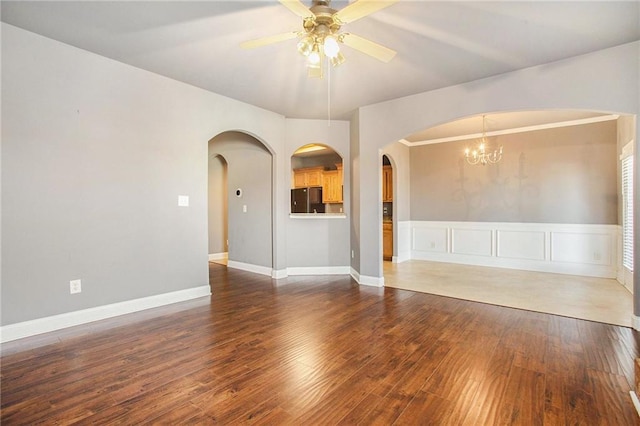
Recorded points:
(307, 200)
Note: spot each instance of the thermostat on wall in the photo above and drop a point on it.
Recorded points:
(238, 192)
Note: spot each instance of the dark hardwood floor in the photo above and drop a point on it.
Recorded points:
(322, 350)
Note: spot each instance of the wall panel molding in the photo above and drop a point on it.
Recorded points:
(576, 249)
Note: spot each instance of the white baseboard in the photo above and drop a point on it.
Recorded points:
(367, 280)
(402, 257)
(262, 270)
(319, 270)
(279, 274)
(56, 322)
(218, 256)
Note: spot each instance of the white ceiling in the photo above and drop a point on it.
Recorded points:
(439, 44)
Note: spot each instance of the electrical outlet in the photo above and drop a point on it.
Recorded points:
(75, 286)
(353, 254)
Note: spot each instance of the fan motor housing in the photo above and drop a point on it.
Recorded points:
(322, 22)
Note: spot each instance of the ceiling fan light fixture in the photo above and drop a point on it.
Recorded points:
(305, 46)
(314, 57)
(331, 48)
(337, 60)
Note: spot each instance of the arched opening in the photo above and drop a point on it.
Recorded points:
(552, 203)
(387, 209)
(316, 180)
(218, 219)
(240, 201)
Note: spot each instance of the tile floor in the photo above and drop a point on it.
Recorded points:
(594, 299)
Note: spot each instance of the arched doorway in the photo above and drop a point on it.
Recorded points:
(387, 209)
(246, 230)
(218, 209)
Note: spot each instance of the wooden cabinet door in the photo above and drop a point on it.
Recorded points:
(387, 240)
(331, 187)
(314, 177)
(299, 179)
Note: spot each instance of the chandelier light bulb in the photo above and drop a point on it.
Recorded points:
(480, 155)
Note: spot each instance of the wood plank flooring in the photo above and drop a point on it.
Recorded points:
(323, 350)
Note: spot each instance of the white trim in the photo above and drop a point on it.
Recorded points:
(263, 270)
(279, 274)
(575, 249)
(355, 275)
(636, 402)
(70, 319)
(319, 270)
(218, 256)
(366, 280)
(403, 239)
(317, 215)
(635, 322)
(514, 130)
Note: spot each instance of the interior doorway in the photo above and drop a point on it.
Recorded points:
(218, 210)
(387, 209)
(241, 211)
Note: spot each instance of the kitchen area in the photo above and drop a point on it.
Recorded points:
(316, 181)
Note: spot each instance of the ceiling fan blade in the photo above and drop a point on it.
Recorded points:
(298, 8)
(376, 50)
(360, 9)
(263, 41)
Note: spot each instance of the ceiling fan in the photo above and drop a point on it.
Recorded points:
(322, 32)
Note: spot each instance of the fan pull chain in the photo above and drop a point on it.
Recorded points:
(328, 94)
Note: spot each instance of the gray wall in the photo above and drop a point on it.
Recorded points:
(94, 156)
(218, 205)
(248, 168)
(320, 242)
(606, 80)
(563, 175)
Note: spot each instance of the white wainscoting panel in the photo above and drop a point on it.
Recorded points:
(529, 245)
(476, 242)
(430, 239)
(404, 241)
(577, 249)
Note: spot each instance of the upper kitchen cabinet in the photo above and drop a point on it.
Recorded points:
(332, 185)
(307, 177)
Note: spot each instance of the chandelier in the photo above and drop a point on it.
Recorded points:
(482, 155)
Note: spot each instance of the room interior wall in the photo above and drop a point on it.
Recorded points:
(249, 215)
(606, 80)
(320, 242)
(94, 156)
(561, 175)
(354, 176)
(218, 205)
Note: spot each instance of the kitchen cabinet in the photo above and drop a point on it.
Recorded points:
(387, 240)
(309, 176)
(332, 185)
(387, 184)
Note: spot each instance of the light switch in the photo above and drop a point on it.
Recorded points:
(183, 200)
(244, 208)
